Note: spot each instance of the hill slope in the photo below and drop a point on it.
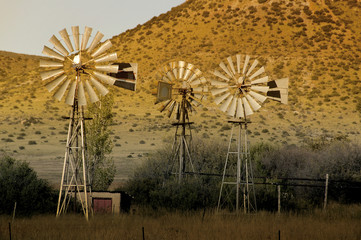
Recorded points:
(314, 43)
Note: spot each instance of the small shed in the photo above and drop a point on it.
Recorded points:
(113, 202)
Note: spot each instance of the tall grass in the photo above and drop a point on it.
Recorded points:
(338, 222)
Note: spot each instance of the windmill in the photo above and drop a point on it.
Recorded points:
(79, 73)
(239, 90)
(181, 89)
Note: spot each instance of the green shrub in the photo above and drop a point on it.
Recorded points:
(19, 183)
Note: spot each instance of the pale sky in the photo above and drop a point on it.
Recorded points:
(27, 25)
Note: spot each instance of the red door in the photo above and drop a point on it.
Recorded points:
(102, 205)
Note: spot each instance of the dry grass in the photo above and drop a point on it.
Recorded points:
(339, 222)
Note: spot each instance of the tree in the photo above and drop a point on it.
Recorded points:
(99, 143)
(19, 183)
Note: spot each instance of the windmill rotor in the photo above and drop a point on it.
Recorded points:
(241, 86)
(78, 70)
(181, 88)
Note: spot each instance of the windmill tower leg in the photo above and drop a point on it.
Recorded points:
(74, 176)
(241, 176)
(181, 145)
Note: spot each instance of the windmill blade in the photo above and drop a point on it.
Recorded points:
(98, 37)
(196, 74)
(220, 75)
(171, 108)
(104, 47)
(238, 57)
(50, 63)
(254, 64)
(230, 63)
(218, 83)
(247, 108)
(51, 53)
(85, 38)
(75, 30)
(240, 80)
(60, 93)
(254, 104)
(58, 46)
(201, 80)
(246, 61)
(53, 84)
(260, 88)
(195, 102)
(170, 76)
(98, 86)
(105, 78)
(81, 94)
(188, 71)
(199, 96)
(225, 69)
(65, 36)
(196, 82)
(71, 94)
(108, 68)
(181, 65)
(224, 106)
(219, 99)
(49, 74)
(91, 93)
(163, 106)
(258, 96)
(232, 109)
(197, 89)
(240, 110)
(257, 73)
(260, 80)
(107, 58)
(175, 72)
(217, 91)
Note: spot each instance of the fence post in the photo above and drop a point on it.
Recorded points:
(14, 211)
(279, 199)
(326, 192)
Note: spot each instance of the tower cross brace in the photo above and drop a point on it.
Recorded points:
(238, 174)
(74, 180)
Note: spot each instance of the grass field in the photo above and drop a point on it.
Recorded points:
(338, 222)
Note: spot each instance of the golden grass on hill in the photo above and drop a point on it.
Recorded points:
(339, 222)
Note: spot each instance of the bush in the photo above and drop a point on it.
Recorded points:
(153, 184)
(19, 183)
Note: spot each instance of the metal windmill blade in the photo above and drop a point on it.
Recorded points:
(182, 87)
(75, 71)
(241, 86)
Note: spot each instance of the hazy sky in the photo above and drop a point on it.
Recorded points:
(27, 25)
